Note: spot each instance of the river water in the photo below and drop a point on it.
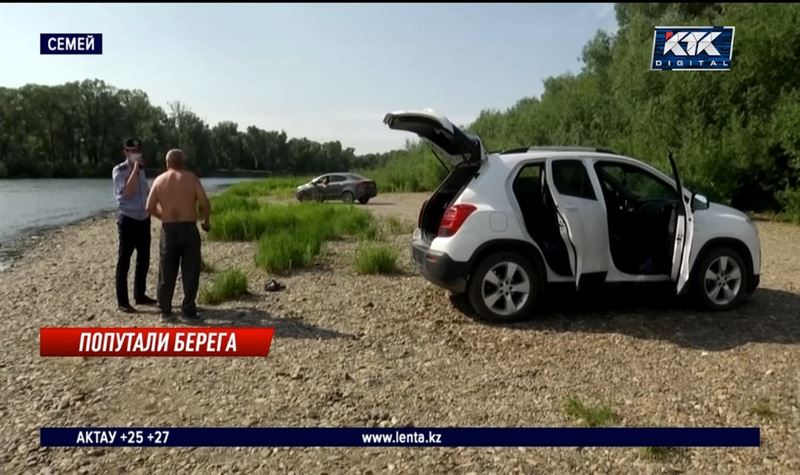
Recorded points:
(30, 205)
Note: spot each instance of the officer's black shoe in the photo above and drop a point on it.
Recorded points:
(126, 309)
(145, 300)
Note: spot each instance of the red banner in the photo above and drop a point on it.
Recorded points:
(143, 341)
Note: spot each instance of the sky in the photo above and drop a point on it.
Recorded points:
(322, 71)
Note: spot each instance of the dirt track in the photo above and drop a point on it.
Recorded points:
(392, 351)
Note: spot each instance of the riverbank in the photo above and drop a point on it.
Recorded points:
(12, 250)
(30, 208)
(391, 351)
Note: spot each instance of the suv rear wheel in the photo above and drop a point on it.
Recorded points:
(504, 287)
(721, 279)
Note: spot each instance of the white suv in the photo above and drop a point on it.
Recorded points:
(503, 225)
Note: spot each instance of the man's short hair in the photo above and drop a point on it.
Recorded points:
(175, 158)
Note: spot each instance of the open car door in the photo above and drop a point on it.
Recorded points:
(582, 220)
(451, 144)
(684, 232)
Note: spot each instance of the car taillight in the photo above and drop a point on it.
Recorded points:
(453, 218)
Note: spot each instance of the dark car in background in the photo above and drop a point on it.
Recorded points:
(347, 187)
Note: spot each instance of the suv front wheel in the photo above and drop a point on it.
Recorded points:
(721, 280)
(504, 287)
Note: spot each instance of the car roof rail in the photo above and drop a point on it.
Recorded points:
(558, 148)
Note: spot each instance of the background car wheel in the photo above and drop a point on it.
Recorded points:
(302, 197)
(504, 287)
(363, 201)
(348, 197)
(721, 279)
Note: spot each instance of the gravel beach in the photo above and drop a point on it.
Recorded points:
(384, 351)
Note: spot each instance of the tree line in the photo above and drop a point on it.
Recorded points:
(735, 134)
(77, 130)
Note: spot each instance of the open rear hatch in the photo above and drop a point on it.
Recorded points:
(461, 153)
(452, 145)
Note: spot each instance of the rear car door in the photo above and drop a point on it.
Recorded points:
(581, 216)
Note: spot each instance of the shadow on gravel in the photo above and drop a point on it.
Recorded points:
(285, 327)
(771, 316)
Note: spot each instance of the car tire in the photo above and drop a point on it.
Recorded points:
(302, 197)
(720, 280)
(363, 201)
(348, 197)
(502, 298)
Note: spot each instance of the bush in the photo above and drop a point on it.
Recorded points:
(413, 169)
(227, 285)
(790, 202)
(3, 170)
(376, 259)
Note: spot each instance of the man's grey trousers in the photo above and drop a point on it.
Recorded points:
(179, 247)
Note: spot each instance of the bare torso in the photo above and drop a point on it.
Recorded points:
(178, 194)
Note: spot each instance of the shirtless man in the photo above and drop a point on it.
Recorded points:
(173, 199)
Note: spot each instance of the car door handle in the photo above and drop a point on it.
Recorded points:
(570, 207)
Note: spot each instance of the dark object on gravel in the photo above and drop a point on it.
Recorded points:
(192, 317)
(273, 286)
(168, 318)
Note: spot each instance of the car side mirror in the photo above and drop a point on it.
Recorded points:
(699, 202)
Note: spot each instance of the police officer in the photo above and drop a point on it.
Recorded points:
(133, 225)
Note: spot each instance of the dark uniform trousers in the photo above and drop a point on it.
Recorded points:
(134, 234)
(179, 248)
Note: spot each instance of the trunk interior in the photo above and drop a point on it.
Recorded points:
(434, 208)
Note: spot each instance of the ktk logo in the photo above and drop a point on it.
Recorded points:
(692, 48)
(696, 43)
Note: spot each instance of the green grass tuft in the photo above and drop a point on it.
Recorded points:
(763, 409)
(227, 285)
(289, 235)
(592, 416)
(376, 259)
(399, 226)
(662, 454)
(284, 251)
